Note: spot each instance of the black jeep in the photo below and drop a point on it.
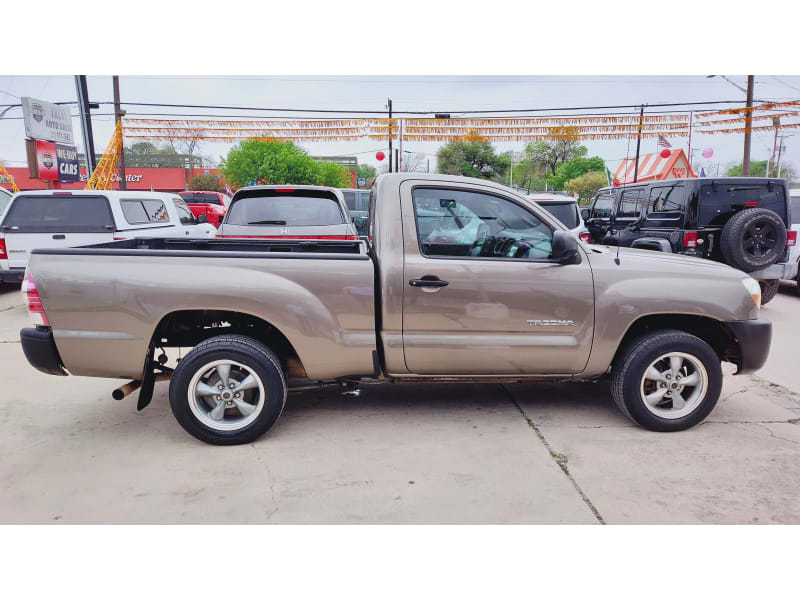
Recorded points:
(740, 221)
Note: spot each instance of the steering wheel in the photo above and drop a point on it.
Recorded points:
(523, 250)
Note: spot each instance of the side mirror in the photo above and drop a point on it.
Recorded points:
(361, 225)
(586, 214)
(202, 219)
(565, 248)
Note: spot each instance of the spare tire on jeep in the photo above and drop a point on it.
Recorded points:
(753, 239)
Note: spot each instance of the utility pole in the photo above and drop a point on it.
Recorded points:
(86, 122)
(638, 144)
(748, 125)
(118, 113)
(776, 122)
(390, 135)
(780, 151)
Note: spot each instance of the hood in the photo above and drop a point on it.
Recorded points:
(664, 260)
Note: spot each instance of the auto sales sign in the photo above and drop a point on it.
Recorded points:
(47, 121)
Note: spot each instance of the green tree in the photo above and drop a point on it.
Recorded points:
(585, 186)
(203, 182)
(269, 161)
(365, 171)
(553, 153)
(574, 168)
(473, 159)
(758, 168)
(333, 175)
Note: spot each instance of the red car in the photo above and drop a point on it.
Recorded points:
(213, 205)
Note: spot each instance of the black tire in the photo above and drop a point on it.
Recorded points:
(246, 351)
(769, 289)
(629, 370)
(753, 239)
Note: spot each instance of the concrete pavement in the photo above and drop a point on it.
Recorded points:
(485, 453)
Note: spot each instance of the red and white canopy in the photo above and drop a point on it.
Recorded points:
(655, 167)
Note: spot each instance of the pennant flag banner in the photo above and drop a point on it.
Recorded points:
(512, 129)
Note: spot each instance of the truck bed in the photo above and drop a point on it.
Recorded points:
(105, 302)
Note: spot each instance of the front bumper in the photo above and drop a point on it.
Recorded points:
(12, 275)
(787, 270)
(40, 350)
(752, 339)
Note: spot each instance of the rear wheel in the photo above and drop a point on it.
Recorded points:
(667, 380)
(769, 289)
(228, 390)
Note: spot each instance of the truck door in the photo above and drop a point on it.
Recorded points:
(628, 218)
(481, 295)
(600, 213)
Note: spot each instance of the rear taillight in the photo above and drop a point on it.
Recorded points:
(750, 204)
(585, 237)
(791, 240)
(690, 239)
(30, 296)
(3, 252)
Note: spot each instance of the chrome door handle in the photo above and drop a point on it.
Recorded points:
(427, 283)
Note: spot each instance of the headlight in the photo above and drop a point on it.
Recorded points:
(752, 287)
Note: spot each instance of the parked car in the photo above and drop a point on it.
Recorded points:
(263, 315)
(212, 205)
(63, 219)
(288, 212)
(5, 198)
(565, 209)
(794, 251)
(740, 221)
(358, 205)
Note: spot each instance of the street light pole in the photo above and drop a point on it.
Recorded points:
(118, 112)
(86, 122)
(748, 125)
(390, 135)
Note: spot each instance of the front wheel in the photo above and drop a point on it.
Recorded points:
(667, 380)
(228, 390)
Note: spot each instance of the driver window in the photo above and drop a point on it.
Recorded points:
(460, 223)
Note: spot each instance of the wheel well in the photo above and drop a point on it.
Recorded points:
(187, 328)
(709, 330)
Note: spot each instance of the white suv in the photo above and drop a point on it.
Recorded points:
(565, 209)
(65, 219)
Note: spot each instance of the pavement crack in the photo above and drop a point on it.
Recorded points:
(777, 437)
(741, 391)
(560, 459)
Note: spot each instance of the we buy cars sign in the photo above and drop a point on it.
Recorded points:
(57, 161)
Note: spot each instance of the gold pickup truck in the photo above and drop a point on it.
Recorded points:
(459, 280)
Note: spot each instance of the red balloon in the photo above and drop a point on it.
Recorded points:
(380, 156)
(665, 153)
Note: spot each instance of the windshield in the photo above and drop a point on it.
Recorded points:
(566, 212)
(200, 198)
(270, 209)
(62, 214)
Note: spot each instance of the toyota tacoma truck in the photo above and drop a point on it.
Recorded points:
(462, 280)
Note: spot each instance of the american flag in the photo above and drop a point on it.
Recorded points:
(662, 142)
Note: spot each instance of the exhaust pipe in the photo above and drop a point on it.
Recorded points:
(126, 390)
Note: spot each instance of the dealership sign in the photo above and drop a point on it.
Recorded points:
(55, 162)
(47, 121)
